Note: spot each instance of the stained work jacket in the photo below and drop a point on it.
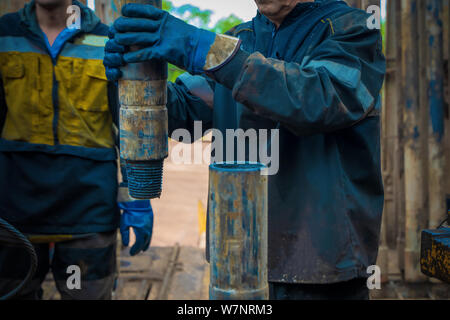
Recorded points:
(57, 148)
(317, 79)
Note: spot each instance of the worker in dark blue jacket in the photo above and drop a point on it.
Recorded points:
(314, 71)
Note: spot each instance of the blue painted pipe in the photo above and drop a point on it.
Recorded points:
(238, 231)
(144, 122)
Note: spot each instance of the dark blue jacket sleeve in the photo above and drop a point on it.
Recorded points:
(189, 100)
(335, 86)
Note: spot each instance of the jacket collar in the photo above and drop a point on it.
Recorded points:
(300, 9)
(288, 42)
(28, 18)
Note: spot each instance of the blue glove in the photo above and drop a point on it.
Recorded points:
(160, 36)
(113, 59)
(139, 216)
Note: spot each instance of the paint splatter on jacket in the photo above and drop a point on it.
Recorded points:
(58, 170)
(317, 79)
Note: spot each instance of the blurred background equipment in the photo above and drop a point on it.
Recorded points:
(415, 144)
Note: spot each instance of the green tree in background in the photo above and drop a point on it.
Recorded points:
(200, 18)
(225, 24)
(194, 15)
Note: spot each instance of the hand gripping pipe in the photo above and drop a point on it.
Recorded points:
(144, 122)
(238, 232)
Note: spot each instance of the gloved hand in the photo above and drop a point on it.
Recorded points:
(139, 216)
(160, 36)
(113, 59)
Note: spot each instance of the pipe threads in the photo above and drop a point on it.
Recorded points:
(145, 179)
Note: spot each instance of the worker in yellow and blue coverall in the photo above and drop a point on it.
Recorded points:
(58, 159)
(314, 71)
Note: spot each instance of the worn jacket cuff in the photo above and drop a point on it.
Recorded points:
(230, 72)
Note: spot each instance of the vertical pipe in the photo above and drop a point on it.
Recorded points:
(399, 163)
(144, 122)
(238, 232)
(414, 173)
(423, 105)
(388, 132)
(9, 6)
(108, 10)
(354, 3)
(390, 114)
(447, 111)
(435, 97)
(367, 3)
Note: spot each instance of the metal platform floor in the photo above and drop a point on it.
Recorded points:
(161, 273)
(182, 273)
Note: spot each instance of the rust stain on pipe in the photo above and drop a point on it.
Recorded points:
(436, 103)
(415, 199)
(143, 121)
(238, 231)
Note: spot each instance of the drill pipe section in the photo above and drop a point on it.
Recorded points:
(238, 231)
(144, 122)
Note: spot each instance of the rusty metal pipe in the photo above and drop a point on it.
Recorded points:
(436, 102)
(354, 3)
(144, 122)
(367, 3)
(389, 121)
(415, 199)
(238, 232)
(9, 6)
(399, 179)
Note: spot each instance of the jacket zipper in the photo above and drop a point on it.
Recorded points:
(55, 97)
(55, 100)
(272, 43)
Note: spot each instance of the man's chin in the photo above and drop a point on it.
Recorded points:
(49, 4)
(266, 9)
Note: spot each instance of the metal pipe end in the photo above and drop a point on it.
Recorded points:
(237, 166)
(145, 179)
